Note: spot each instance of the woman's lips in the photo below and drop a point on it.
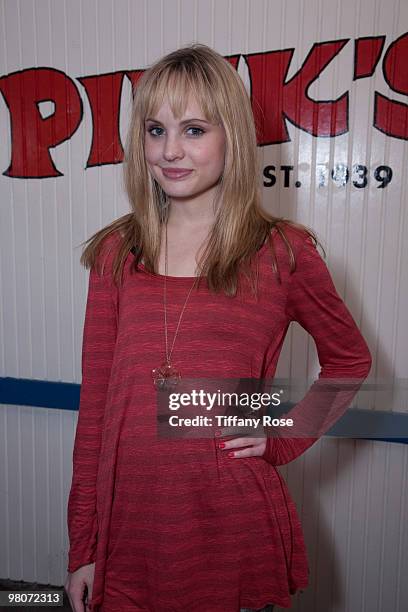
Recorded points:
(175, 174)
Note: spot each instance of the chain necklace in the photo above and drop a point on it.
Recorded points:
(167, 375)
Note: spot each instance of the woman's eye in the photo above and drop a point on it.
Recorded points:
(151, 130)
(196, 131)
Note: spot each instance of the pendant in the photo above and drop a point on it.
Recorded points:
(165, 377)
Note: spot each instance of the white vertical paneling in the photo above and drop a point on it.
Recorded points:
(351, 495)
(4, 492)
(105, 13)
(389, 211)
(56, 526)
(35, 476)
(401, 556)
(36, 244)
(372, 541)
(42, 491)
(155, 29)
(26, 493)
(13, 499)
(59, 52)
(79, 195)
(390, 527)
(360, 495)
(401, 322)
(222, 27)
(171, 32)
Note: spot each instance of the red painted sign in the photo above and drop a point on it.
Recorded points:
(275, 101)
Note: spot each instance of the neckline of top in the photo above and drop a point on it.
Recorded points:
(190, 278)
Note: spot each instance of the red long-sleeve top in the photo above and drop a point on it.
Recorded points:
(175, 524)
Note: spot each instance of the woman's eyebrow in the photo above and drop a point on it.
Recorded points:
(181, 122)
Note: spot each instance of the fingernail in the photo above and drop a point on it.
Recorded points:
(221, 445)
(231, 454)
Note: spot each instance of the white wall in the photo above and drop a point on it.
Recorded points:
(352, 495)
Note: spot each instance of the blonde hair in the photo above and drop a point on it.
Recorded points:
(241, 226)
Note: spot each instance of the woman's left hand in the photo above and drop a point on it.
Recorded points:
(255, 447)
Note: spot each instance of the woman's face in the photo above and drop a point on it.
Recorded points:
(187, 144)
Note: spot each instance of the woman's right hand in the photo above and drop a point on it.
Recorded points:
(75, 587)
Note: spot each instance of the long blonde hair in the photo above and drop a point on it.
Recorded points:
(241, 225)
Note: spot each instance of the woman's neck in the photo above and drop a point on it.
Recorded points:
(191, 215)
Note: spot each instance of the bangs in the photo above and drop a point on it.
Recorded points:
(177, 83)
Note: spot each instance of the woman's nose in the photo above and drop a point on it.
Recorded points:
(172, 147)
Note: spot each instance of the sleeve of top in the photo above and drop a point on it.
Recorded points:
(343, 354)
(99, 337)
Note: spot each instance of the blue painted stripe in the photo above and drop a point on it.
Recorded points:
(40, 393)
(363, 424)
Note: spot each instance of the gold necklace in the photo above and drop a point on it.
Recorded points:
(167, 376)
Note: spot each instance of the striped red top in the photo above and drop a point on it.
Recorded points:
(176, 525)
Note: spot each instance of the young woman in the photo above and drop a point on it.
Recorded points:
(197, 281)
